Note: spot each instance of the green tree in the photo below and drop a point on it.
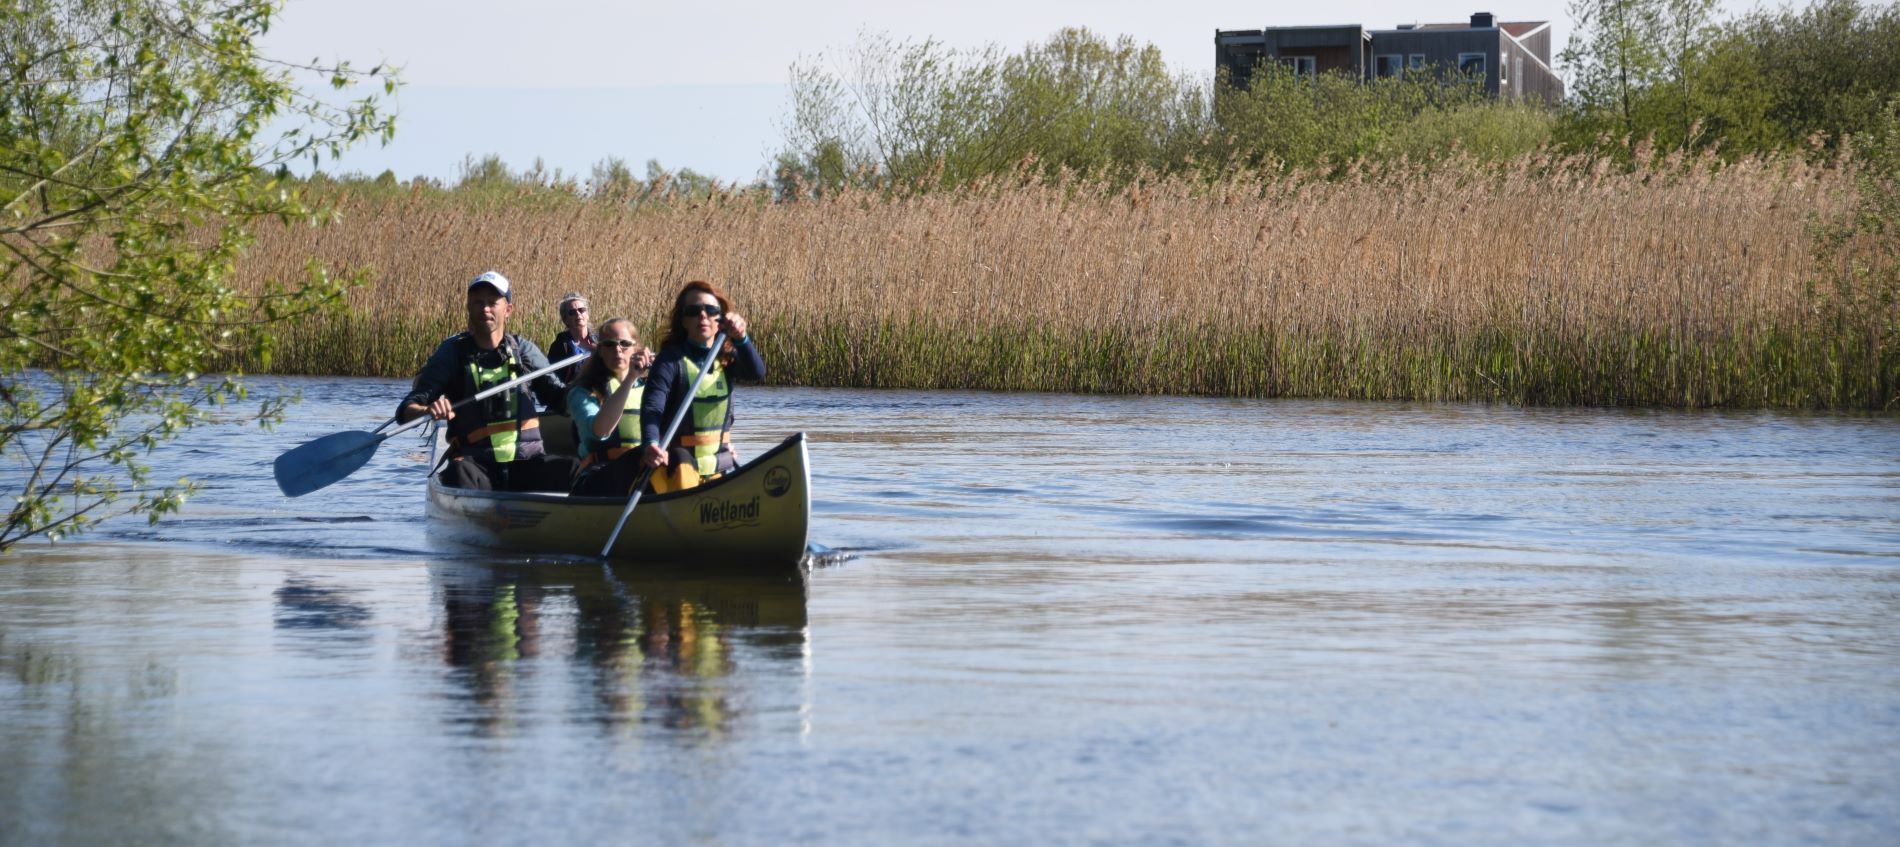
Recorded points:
(1332, 121)
(687, 184)
(1611, 61)
(1666, 70)
(1635, 71)
(1827, 70)
(138, 141)
(920, 115)
(1083, 103)
(812, 172)
(489, 173)
(825, 145)
(1688, 28)
(1734, 111)
(610, 178)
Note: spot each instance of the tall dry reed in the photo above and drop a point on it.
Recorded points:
(1542, 282)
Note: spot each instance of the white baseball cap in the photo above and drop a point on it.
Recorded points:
(495, 280)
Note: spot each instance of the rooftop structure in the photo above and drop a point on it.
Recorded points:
(1510, 58)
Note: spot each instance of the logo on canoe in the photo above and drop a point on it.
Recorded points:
(778, 480)
(725, 514)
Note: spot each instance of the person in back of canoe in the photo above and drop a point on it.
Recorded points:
(605, 404)
(578, 337)
(702, 448)
(496, 443)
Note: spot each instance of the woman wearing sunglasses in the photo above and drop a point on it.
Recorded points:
(702, 448)
(577, 337)
(605, 404)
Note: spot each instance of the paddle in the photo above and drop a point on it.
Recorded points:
(318, 463)
(640, 485)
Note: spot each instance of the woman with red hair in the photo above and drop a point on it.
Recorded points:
(702, 447)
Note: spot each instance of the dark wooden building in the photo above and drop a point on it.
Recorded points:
(1511, 58)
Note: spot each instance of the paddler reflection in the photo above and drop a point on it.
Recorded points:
(319, 616)
(619, 648)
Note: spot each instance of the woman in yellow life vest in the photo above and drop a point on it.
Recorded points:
(702, 447)
(605, 404)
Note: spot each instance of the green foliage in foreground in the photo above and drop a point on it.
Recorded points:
(135, 148)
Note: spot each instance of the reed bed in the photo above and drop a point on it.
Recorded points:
(1543, 282)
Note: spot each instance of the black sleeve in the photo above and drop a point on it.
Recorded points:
(660, 381)
(747, 364)
(436, 377)
(548, 388)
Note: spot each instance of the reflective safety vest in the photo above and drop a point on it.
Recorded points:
(709, 437)
(626, 435)
(502, 427)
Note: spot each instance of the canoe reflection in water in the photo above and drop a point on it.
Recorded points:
(626, 647)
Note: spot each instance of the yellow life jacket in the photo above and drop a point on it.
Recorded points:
(711, 404)
(503, 426)
(626, 434)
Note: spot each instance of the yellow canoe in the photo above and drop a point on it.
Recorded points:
(760, 514)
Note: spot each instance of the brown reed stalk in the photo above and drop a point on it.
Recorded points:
(1543, 281)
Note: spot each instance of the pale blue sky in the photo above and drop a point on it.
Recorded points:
(702, 85)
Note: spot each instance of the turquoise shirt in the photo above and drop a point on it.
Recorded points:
(583, 407)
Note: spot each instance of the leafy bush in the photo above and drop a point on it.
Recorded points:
(1667, 71)
(136, 142)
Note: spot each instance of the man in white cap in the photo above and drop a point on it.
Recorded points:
(496, 443)
(578, 337)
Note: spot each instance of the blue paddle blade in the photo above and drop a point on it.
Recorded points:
(316, 464)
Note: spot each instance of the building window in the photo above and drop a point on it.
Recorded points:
(1471, 64)
(1517, 73)
(1390, 64)
(1504, 71)
(1301, 65)
(1415, 62)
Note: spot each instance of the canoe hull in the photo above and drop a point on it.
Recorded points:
(759, 514)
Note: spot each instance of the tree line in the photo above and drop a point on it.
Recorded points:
(1645, 74)
(489, 177)
(1659, 76)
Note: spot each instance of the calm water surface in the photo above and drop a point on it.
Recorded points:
(1067, 620)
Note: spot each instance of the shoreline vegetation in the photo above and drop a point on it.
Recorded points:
(1547, 280)
(1710, 218)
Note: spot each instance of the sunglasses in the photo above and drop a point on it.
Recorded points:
(710, 310)
(575, 310)
(622, 343)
